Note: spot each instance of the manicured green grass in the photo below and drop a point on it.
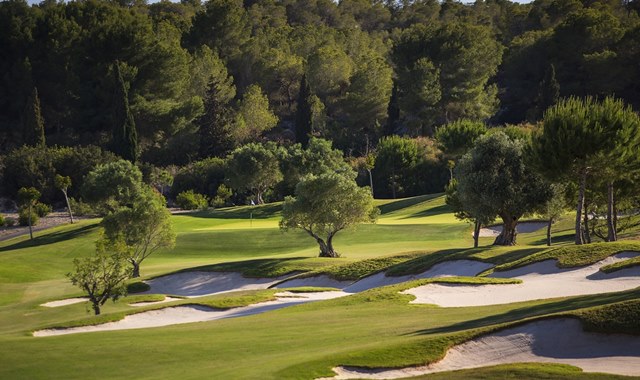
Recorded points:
(374, 328)
(621, 317)
(530, 371)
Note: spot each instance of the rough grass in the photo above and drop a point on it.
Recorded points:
(630, 263)
(572, 256)
(309, 289)
(623, 317)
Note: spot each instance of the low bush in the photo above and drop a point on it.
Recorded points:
(2, 221)
(9, 222)
(42, 209)
(190, 200)
(23, 217)
(80, 208)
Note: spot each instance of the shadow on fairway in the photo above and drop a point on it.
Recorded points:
(240, 212)
(51, 238)
(407, 202)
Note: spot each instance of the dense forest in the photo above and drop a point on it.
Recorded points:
(181, 85)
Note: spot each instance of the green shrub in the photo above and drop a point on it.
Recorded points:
(2, 221)
(189, 200)
(79, 208)
(23, 217)
(223, 194)
(42, 209)
(9, 222)
(137, 287)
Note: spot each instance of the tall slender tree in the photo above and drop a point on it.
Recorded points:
(216, 137)
(549, 92)
(393, 113)
(124, 141)
(33, 122)
(304, 115)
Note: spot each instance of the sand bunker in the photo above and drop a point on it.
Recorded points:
(194, 313)
(444, 269)
(540, 280)
(315, 281)
(523, 228)
(65, 302)
(195, 284)
(547, 341)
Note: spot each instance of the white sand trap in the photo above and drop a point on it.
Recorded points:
(194, 313)
(444, 269)
(195, 284)
(540, 280)
(322, 281)
(522, 228)
(65, 302)
(147, 303)
(547, 341)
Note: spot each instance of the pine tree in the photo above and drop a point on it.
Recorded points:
(303, 113)
(549, 92)
(393, 113)
(125, 137)
(33, 122)
(215, 123)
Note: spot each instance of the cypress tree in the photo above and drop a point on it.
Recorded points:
(549, 92)
(33, 122)
(303, 113)
(215, 134)
(393, 112)
(125, 137)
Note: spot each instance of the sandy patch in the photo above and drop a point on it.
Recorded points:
(147, 303)
(548, 341)
(522, 228)
(540, 280)
(444, 269)
(194, 313)
(195, 284)
(65, 302)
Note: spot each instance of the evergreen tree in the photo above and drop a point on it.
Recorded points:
(124, 141)
(303, 113)
(33, 123)
(549, 92)
(215, 123)
(393, 113)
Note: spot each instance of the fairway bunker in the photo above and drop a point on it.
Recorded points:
(193, 313)
(546, 341)
(200, 283)
(522, 227)
(443, 269)
(540, 280)
(65, 302)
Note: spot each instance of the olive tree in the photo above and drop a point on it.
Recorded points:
(493, 177)
(27, 197)
(143, 228)
(325, 205)
(113, 185)
(254, 167)
(63, 184)
(103, 275)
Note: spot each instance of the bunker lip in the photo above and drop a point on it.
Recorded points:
(541, 280)
(558, 340)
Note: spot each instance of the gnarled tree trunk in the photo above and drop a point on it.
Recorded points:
(549, 223)
(136, 269)
(611, 228)
(509, 233)
(476, 234)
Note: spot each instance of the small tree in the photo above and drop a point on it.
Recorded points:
(64, 183)
(142, 228)
(254, 167)
(476, 214)
(103, 275)
(27, 197)
(125, 136)
(325, 205)
(113, 185)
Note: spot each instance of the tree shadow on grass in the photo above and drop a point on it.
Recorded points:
(253, 268)
(51, 238)
(240, 212)
(551, 307)
(433, 211)
(407, 202)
